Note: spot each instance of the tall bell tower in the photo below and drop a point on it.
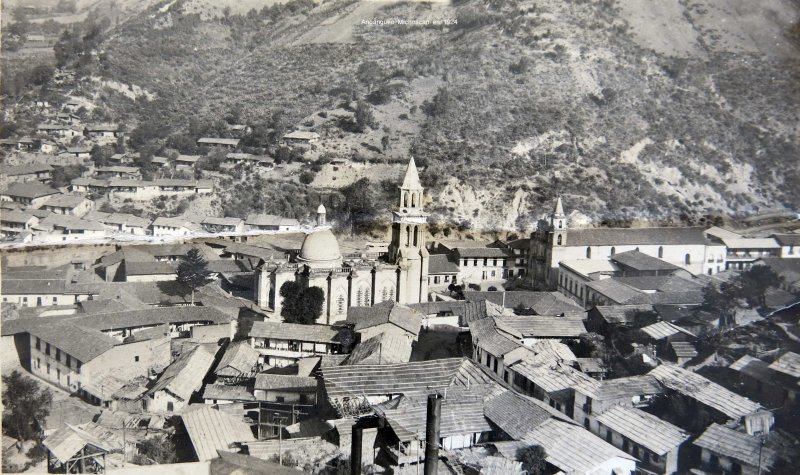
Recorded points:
(407, 250)
(558, 225)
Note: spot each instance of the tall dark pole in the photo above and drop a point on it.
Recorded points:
(432, 434)
(355, 449)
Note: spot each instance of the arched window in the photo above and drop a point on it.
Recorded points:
(560, 224)
(588, 252)
(687, 259)
(405, 199)
(558, 241)
(660, 252)
(416, 235)
(413, 200)
(408, 235)
(613, 250)
(637, 248)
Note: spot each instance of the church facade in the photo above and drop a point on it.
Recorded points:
(554, 242)
(401, 275)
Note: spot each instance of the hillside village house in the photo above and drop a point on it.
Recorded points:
(223, 225)
(21, 143)
(300, 137)
(442, 272)
(103, 131)
(14, 222)
(59, 130)
(218, 142)
(46, 146)
(142, 190)
(30, 194)
(174, 388)
(38, 172)
(387, 317)
(120, 222)
(287, 389)
(173, 227)
(790, 245)
(72, 205)
(73, 358)
(117, 171)
(269, 222)
(41, 292)
(79, 152)
(186, 162)
(68, 118)
(57, 227)
(236, 158)
(72, 105)
(283, 344)
(554, 242)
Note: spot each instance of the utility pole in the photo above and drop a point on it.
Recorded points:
(356, 445)
(432, 434)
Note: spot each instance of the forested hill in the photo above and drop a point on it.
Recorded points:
(631, 109)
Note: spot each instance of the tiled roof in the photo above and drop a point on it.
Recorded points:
(151, 316)
(660, 330)
(667, 283)
(385, 312)
(751, 243)
(516, 414)
(788, 239)
(28, 190)
(294, 331)
(185, 375)
(65, 442)
(239, 360)
(551, 377)
(753, 367)
(301, 135)
(285, 382)
(460, 415)
(82, 343)
(633, 236)
(413, 377)
(542, 303)
(33, 286)
(217, 141)
(621, 313)
(496, 344)
(384, 348)
(483, 252)
(706, 392)
(745, 448)
(542, 326)
(644, 429)
(614, 290)
(227, 392)
(14, 216)
(441, 264)
(642, 262)
(211, 430)
(269, 220)
(149, 268)
(222, 221)
(683, 349)
(26, 169)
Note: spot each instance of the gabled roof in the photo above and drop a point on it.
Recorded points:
(301, 135)
(621, 313)
(633, 236)
(285, 382)
(482, 252)
(644, 429)
(26, 169)
(211, 430)
(441, 264)
(711, 394)
(461, 415)
(538, 326)
(787, 239)
(269, 220)
(404, 378)
(388, 312)
(383, 348)
(551, 377)
(683, 349)
(737, 445)
(185, 375)
(642, 262)
(217, 141)
(65, 201)
(517, 415)
(222, 221)
(660, 330)
(28, 190)
(239, 360)
(14, 216)
(228, 392)
(294, 331)
(66, 442)
(81, 343)
(542, 303)
(151, 316)
(620, 388)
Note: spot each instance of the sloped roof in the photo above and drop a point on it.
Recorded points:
(294, 331)
(642, 262)
(683, 349)
(301, 135)
(413, 377)
(285, 382)
(185, 375)
(151, 316)
(787, 239)
(644, 429)
(211, 430)
(28, 190)
(149, 268)
(239, 359)
(572, 448)
(621, 313)
(517, 415)
(660, 330)
(385, 312)
(542, 326)
(441, 264)
(230, 463)
(483, 252)
(551, 377)
(227, 392)
(384, 348)
(26, 169)
(614, 290)
(788, 363)
(633, 236)
(269, 220)
(82, 343)
(705, 391)
(217, 141)
(745, 448)
(64, 443)
(753, 367)
(542, 303)
(460, 415)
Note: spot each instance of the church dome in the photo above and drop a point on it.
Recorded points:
(320, 249)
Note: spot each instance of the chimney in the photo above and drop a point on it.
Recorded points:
(432, 434)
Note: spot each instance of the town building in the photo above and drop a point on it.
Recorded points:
(29, 194)
(222, 225)
(119, 171)
(174, 388)
(13, 222)
(162, 227)
(268, 222)
(301, 137)
(283, 344)
(217, 142)
(70, 205)
(387, 317)
(24, 173)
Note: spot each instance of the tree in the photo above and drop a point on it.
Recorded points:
(722, 301)
(301, 305)
(364, 117)
(534, 459)
(193, 271)
(27, 405)
(369, 73)
(156, 450)
(754, 283)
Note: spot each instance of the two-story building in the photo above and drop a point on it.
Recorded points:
(38, 172)
(71, 205)
(222, 225)
(282, 344)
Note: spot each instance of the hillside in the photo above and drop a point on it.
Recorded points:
(634, 110)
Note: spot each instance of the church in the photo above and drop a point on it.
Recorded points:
(554, 242)
(401, 275)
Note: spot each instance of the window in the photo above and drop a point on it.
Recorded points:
(608, 435)
(475, 262)
(588, 252)
(713, 460)
(69, 360)
(38, 343)
(170, 406)
(48, 368)
(660, 252)
(466, 262)
(58, 375)
(560, 224)
(625, 445)
(485, 261)
(58, 355)
(613, 250)
(279, 399)
(495, 263)
(136, 358)
(585, 422)
(687, 259)
(78, 366)
(47, 349)
(558, 241)
(38, 363)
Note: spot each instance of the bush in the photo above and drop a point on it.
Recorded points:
(307, 177)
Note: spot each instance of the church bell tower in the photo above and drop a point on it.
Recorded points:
(407, 250)
(558, 225)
